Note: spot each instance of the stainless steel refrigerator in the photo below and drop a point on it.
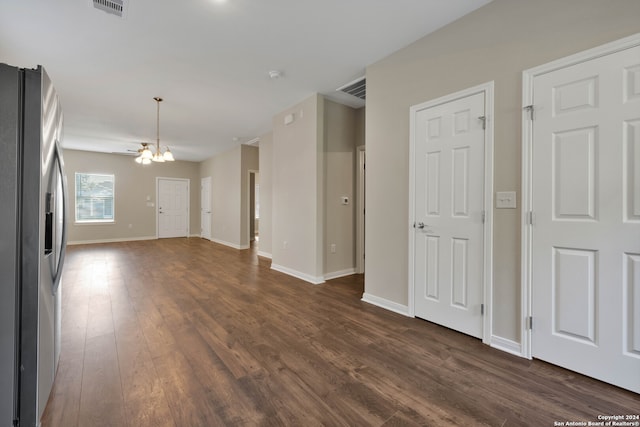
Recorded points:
(32, 242)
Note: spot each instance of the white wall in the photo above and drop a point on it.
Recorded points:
(297, 186)
(496, 42)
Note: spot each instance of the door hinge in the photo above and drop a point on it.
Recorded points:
(484, 121)
(482, 309)
(530, 323)
(530, 218)
(484, 216)
(529, 109)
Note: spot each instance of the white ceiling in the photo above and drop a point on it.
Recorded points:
(208, 59)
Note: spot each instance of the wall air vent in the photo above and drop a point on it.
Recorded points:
(357, 88)
(114, 7)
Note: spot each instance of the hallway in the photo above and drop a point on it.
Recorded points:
(185, 332)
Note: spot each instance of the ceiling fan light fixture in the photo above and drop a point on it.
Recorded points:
(146, 154)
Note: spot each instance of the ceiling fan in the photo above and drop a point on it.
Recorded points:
(145, 154)
(131, 152)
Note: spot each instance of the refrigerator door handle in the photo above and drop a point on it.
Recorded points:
(57, 273)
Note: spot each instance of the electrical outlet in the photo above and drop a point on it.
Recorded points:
(333, 248)
(284, 245)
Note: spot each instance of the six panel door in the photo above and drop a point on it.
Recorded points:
(586, 204)
(449, 204)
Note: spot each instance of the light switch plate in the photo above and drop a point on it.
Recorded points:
(506, 200)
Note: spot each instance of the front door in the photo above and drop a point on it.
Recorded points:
(205, 208)
(448, 249)
(585, 274)
(173, 207)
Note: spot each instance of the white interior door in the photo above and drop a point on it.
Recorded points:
(585, 253)
(448, 196)
(173, 207)
(205, 208)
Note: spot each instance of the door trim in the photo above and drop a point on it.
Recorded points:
(247, 215)
(360, 208)
(528, 77)
(202, 236)
(488, 90)
(188, 181)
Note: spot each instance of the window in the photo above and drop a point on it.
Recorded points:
(94, 197)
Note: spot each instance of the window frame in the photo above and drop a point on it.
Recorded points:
(102, 220)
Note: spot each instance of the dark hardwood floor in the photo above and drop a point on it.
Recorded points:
(185, 332)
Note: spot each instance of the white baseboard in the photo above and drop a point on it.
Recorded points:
(264, 254)
(121, 239)
(386, 304)
(297, 274)
(341, 273)
(507, 345)
(231, 245)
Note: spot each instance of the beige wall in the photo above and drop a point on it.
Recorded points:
(360, 115)
(496, 42)
(339, 179)
(249, 162)
(306, 168)
(224, 170)
(134, 183)
(297, 187)
(229, 172)
(266, 170)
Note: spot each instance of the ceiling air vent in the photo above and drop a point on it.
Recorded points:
(357, 88)
(114, 7)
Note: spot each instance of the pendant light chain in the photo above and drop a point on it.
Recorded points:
(158, 101)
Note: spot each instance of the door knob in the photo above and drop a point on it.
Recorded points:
(421, 225)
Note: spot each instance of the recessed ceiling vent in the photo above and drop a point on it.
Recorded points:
(357, 88)
(114, 7)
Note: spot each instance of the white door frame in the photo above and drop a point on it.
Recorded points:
(188, 181)
(528, 77)
(248, 218)
(487, 89)
(208, 179)
(360, 208)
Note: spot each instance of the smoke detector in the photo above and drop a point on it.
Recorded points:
(112, 7)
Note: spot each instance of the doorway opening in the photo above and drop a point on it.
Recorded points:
(254, 207)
